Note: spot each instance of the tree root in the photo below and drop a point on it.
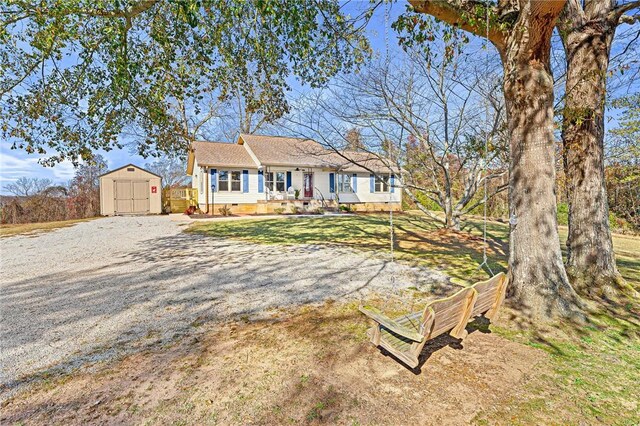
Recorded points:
(562, 302)
(607, 287)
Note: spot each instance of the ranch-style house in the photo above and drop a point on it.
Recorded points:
(266, 174)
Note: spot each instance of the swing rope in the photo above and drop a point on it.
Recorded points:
(392, 265)
(392, 277)
(487, 124)
(387, 62)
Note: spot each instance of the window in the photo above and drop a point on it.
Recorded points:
(229, 181)
(236, 183)
(344, 183)
(275, 181)
(382, 183)
(268, 176)
(223, 180)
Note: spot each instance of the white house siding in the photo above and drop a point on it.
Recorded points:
(320, 180)
(364, 194)
(195, 177)
(199, 182)
(321, 187)
(202, 181)
(320, 183)
(297, 181)
(235, 197)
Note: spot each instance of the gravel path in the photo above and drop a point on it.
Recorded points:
(113, 285)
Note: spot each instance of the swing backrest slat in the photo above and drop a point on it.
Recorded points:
(448, 312)
(490, 295)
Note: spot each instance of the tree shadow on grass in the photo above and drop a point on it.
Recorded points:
(460, 254)
(416, 239)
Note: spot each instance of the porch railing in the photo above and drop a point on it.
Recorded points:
(179, 199)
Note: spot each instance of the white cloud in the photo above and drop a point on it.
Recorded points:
(63, 171)
(12, 167)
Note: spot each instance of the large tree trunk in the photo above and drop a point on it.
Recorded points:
(590, 261)
(539, 283)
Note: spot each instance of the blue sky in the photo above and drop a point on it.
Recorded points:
(17, 163)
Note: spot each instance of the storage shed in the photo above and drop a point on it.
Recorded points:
(130, 190)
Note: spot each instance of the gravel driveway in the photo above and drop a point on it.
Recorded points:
(114, 285)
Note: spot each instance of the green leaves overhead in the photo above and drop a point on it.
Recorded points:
(77, 74)
(422, 32)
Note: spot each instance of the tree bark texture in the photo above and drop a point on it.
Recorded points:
(539, 283)
(587, 37)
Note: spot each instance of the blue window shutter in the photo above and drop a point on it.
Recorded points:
(372, 183)
(245, 181)
(288, 181)
(260, 181)
(354, 182)
(214, 180)
(393, 183)
(332, 182)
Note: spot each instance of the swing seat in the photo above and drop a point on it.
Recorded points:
(405, 336)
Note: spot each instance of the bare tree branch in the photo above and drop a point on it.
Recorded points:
(468, 15)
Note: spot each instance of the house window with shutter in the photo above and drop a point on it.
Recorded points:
(275, 181)
(230, 181)
(382, 183)
(344, 183)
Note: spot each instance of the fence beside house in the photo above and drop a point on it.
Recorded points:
(177, 200)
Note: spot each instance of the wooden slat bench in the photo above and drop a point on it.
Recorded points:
(405, 336)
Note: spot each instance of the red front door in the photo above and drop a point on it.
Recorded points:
(308, 185)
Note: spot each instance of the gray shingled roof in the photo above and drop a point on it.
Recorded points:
(285, 151)
(222, 154)
(365, 161)
(282, 151)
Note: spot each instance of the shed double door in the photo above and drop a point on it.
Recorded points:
(131, 196)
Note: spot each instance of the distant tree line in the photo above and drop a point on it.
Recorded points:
(40, 200)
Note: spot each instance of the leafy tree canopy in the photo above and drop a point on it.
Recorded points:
(75, 74)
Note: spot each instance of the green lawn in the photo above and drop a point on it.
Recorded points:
(596, 367)
(418, 240)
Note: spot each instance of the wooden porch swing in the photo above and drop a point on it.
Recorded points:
(405, 336)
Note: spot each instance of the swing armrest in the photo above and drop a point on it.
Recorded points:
(390, 324)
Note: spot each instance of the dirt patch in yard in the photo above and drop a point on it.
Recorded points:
(308, 365)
